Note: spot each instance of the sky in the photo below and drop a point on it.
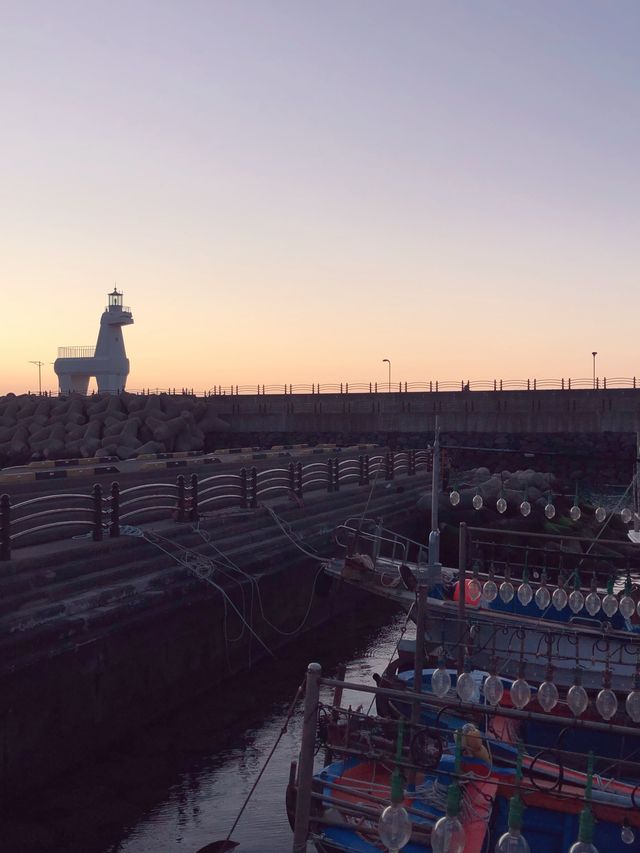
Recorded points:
(290, 191)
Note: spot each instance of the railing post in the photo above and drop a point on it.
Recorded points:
(562, 383)
(431, 385)
(336, 474)
(5, 527)
(253, 501)
(305, 760)
(346, 388)
(114, 526)
(371, 388)
(501, 384)
(299, 479)
(376, 387)
(330, 475)
(361, 470)
(181, 514)
(387, 467)
(292, 477)
(495, 384)
(534, 385)
(412, 463)
(462, 589)
(341, 387)
(634, 381)
(193, 511)
(604, 383)
(436, 385)
(244, 503)
(569, 381)
(97, 513)
(528, 385)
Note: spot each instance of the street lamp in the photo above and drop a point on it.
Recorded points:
(389, 363)
(39, 364)
(594, 354)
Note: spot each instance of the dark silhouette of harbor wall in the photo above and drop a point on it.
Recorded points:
(557, 411)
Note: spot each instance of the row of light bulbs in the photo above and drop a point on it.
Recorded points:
(547, 695)
(559, 598)
(575, 513)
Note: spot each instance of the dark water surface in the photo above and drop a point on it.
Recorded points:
(180, 784)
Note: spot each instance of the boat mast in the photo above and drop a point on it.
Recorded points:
(425, 575)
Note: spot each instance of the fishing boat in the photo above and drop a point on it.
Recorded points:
(520, 678)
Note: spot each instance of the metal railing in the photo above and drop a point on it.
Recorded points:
(76, 352)
(435, 386)
(404, 387)
(56, 516)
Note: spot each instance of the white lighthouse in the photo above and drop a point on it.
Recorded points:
(108, 361)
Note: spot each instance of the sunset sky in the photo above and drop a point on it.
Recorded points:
(291, 191)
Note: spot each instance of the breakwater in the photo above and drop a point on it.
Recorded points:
(127, 425)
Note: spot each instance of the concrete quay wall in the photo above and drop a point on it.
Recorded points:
(98, 638)
(555, 411)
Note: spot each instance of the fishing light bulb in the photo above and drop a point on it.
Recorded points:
(609, 605)
(525, 508)
(501, 505)
(627, 835)
(547, 696)
(513, 841)
(607, 703)
(454, 497)
(493, 690)
(550, 511)
(543, 596)
(525, 593)
(474, 589)
(520, 693)
(466, 687)
(490, 590)
(447, 836)
(627, 606)
(559, 598)
(632, 703)
(575, 513)
(576, 601)
(477, 501)
(583, 847)
(440, 680)
(592, 603)
(506, 591)
(394, 827)
(577, 700)
(601, 514)
(626, 515)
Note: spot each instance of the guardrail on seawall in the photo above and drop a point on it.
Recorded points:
(57, 516)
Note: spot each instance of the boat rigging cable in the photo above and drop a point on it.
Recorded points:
(255, 583)
(194, 563)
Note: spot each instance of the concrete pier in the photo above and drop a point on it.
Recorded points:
(98, 638)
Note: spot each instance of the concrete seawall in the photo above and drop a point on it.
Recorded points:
(568, 411)
(96, 639)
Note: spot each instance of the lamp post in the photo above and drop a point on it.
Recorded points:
(39, 364)
(594, 354)
(389, 363)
